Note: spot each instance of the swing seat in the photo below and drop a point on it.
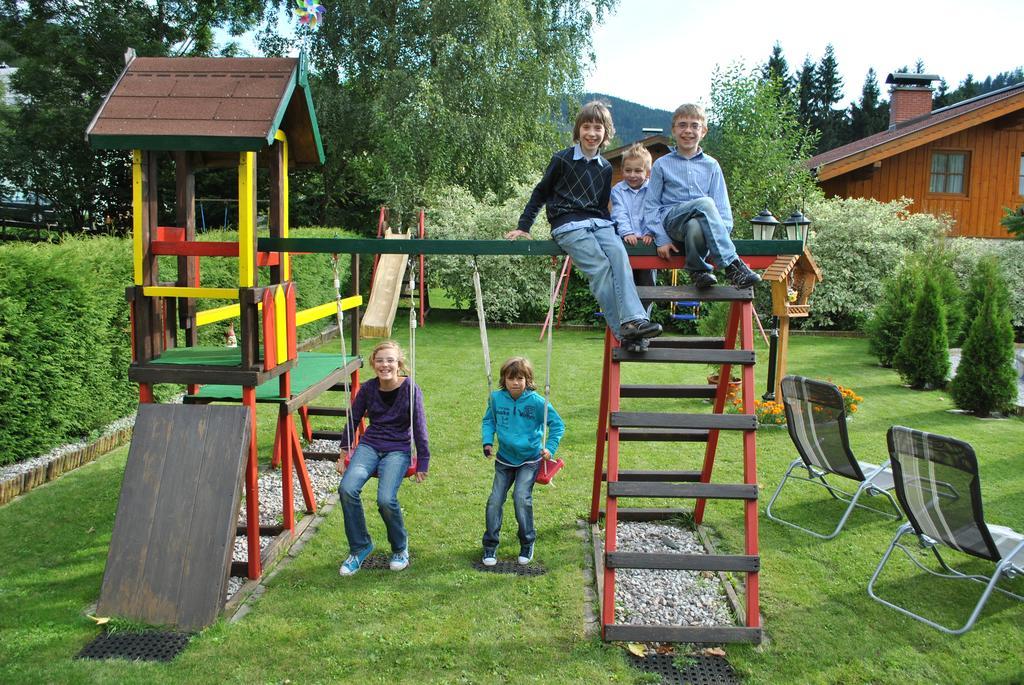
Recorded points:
(548, 469)
(408, 473)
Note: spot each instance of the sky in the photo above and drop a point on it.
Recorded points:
(661, 53)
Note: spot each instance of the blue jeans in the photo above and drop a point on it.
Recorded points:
(522, 500)
(390, 468)
(705, 236)
(599, 253)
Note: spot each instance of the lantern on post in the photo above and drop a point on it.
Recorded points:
(764, 225)
(796, 226)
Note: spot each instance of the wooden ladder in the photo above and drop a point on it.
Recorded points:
(616, 426)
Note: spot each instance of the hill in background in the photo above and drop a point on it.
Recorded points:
(630, 118)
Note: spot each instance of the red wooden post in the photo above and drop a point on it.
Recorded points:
(750, 470)
(611, 515)
(252, 490)
(602, 424)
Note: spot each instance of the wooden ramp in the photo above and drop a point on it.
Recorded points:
(174, 533)
(385, 293)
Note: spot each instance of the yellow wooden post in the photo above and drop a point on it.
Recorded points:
(246, 220)
(137, 216)
(286, 271)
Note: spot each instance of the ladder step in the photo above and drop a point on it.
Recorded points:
(328, 411)
(658, 476)
(739, 422)
(692, 341)
(329, 435)
(718, 293)
(319, 456)
(620, 632)
(683, 562)
(668, 391)
(687, 490)
(684, 355)
(662, 435)
(648, 513)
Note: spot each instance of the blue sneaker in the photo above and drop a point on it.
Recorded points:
(525, 554)
(490, 556)
(354, 561)
(400, 560)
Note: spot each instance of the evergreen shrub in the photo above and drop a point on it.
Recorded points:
(986, 379)
(1009, 254)
(923, 357)
(889, 321)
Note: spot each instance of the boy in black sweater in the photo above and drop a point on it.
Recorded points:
(575, 190)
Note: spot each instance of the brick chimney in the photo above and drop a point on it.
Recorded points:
(910, 96)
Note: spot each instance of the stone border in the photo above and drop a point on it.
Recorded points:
(21, 483)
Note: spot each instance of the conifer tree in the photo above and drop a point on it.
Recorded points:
(891, 316)
(776, 67)
(828, 92)
(923, 358)
(805, 93)
(870, 115)
(986, 380)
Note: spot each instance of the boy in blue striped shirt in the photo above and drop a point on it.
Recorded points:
(687, 206)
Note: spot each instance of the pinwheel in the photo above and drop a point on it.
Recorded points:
(309, 12)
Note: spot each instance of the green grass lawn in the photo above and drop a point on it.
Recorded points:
(441, 621)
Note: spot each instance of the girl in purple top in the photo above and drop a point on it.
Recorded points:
(384, 450)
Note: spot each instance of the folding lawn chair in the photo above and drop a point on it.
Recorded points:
(816, 420)
(937, 485)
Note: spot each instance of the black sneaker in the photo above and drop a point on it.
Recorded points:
(641, 328)
(703, 279)
(740, 275)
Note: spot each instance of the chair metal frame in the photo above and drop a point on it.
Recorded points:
(1007, 565)
(875, 479)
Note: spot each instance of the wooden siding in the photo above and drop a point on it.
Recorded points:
(992, 182)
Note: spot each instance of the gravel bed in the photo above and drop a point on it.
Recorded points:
(684, 598)
(324, 480)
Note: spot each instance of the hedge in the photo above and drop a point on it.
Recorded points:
(64, 342)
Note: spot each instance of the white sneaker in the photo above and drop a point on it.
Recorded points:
(399, 560)
(490, 558)
(525, 554)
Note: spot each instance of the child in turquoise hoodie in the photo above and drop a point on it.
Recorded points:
(516, 412)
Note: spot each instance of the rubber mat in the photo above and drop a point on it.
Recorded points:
(150, 645)
(511, 567)
(699, 670)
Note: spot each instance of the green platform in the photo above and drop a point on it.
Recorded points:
(312, 368)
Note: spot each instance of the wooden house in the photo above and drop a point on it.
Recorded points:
(965, 160)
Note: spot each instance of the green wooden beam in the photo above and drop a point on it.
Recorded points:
(746, 248)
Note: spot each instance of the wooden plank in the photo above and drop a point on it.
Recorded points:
(685, 356)
(619, 632)
(668, 391)
(485, 247)
(662, 435)
(327, 411)
(121, 593)
(624, 419)
(203, 375)
(683, 490)
(683, 562)
(175, 524)
(693, 341)
(718, 293)
(224, 435)
(329, 435)
(167, 549)
(328, 383)
(657, 476)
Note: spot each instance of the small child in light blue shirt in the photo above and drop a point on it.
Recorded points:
(628, 197)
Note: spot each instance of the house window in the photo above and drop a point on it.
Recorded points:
(1020, 177)
(949, 172)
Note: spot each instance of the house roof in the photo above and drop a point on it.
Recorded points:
(649, 142)
(916, 132)
(211, 105)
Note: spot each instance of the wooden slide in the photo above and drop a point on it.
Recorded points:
(384, 293)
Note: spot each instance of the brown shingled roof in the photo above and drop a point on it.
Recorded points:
(940, 123)
(209, 104)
